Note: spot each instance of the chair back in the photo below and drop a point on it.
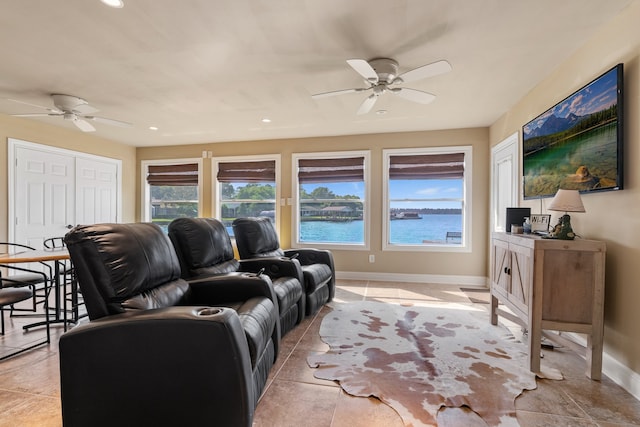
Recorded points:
(54, 243)
(203, 247)
(123, 267)
(256, 237)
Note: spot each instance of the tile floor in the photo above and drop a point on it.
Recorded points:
(30, 393)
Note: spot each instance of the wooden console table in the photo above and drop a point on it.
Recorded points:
(551, 285)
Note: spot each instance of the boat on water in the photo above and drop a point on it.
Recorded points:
(405, 215)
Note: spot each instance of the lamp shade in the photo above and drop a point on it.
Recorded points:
(567, 201)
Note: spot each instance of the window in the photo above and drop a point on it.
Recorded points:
(245, 186)
(171, 190)
(427, 199)
(331, 199)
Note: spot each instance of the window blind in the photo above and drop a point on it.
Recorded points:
(331, 170)
(259, 171)
(427, 166)
(181, 174)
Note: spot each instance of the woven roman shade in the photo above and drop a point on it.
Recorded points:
(331, 170)
(258, 171)
(182, 174)
(427, 166)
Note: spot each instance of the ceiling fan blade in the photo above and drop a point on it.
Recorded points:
(37, 115)
(108, 121)
(337, 92)
(83, 125)
(413, 95)
(363, 68)
(367, 104)
(429, 70)
(53, 110)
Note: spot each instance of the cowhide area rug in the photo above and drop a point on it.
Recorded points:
(420, 359)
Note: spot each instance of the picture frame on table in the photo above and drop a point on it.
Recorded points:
(540, 223)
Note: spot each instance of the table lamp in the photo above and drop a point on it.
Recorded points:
(565, 201)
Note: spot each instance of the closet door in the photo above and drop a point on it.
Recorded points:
(44, 196)
(51, 190)
(96, 191)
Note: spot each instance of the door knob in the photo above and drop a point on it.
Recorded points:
(69, 227)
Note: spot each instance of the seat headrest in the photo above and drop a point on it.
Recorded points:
(117, 262)
(256, 236)
(201, 242)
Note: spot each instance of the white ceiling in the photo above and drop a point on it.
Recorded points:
(210, 70)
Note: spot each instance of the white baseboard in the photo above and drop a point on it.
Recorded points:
(616, 371)
(470, 281)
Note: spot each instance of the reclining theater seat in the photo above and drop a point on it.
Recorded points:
(204, 249)
(159, 350)
(256, 237)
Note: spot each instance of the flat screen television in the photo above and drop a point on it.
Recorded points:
(577, 143)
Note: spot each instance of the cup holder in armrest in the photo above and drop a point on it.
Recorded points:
(254, 274)
(209, 311)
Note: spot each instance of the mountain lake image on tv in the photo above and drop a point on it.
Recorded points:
(576, 144)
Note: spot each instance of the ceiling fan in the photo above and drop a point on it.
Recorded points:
(381, 74)
(72, 108)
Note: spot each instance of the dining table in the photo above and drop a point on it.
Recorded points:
(60, 258)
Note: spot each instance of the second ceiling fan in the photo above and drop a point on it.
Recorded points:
(381, 74)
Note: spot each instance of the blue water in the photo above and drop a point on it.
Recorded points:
(410, 231)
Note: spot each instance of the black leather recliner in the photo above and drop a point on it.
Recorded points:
(159, 350)
(256, 237)
(204, 249)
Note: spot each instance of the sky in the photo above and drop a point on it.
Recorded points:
(597, 95)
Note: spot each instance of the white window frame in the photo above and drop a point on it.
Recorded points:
(216, 207)
(146, 193)
(295, 214)
(465, 244)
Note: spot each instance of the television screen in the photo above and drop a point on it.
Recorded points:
(577, 143)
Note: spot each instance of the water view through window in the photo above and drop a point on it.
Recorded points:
(332, 212)
(421, 212)
(425, 211)
(239, 200)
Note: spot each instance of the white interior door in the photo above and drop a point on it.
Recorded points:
(44, 196)
(504, 180)
(52, 189)
(96, 191)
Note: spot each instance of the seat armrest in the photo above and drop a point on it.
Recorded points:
(119, 370)
(230, 287)
(274, 267)
(312, 256)
(308, 256)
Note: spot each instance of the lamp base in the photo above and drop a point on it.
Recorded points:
(563, 230)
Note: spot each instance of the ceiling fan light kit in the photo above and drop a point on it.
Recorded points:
(381, 73)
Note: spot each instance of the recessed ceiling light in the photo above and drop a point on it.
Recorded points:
(153, 128)
(266, 120)
(381, 112)
(113, 3)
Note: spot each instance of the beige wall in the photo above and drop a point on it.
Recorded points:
(432, 263)
(613, 217)
(40, 133)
